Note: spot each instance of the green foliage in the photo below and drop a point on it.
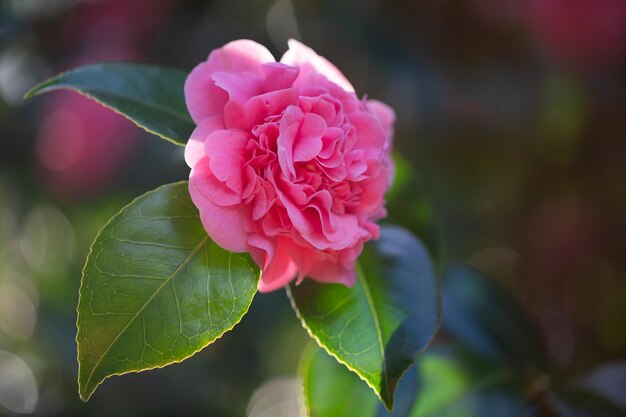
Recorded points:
(488, 319)
(331, 390)
(151, 97)
(156, 289)
(409, 206)
(600, 392)
(445, 382)
(572, 402)
(378, 327)
(456, 384)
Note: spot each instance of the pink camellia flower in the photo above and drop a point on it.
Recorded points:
(287, 163)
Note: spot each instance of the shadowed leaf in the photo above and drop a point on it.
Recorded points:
(378, 327)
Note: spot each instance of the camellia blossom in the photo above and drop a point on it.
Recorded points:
(287, 163)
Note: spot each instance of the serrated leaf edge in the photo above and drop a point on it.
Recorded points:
(84, 396)
(343, 362)
(332, 353)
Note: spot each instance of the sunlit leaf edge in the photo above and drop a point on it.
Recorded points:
(44, 87)
(85, 395)
(388, 405)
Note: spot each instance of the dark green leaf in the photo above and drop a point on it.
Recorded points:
(454, 384)
(152, 97)
(409, 207)
(574, 402)
(488, 319)
(378, 327)
(331, 390)
(156, 289)
(444, 383)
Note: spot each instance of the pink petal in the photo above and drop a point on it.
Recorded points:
(296, 216)
(279, 269)
(273, 103)
(194, 150)
(260, 247)
(226, 151)
(385, 114)
(373, 192)
(371, 137)
(278, 76)
(300, 55)
(289, 128)
(239, 56)
(210, 187)
(264, 200)
(224, 224)
(309, 141)
(203, 97)
(240, 87)
(346, 234)
(321, 266)
(274, 222)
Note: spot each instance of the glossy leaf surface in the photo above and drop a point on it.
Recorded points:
(155, 289)
(378, 327)
(152, 97)
(331, 390)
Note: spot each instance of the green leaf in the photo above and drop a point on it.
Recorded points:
(455, 384)
(409, 206)
(156, 289)
(445, 382)
(151, 97)
(575, 402)
(599, 392)
(331, 390)
(378, 327)
(488, 319)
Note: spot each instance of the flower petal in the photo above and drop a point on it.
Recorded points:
(194, 150)
(279, 269)
(203, 97)
(224, 224)
(309, 142)
(300, 55)
(210, 187)
(226, 151)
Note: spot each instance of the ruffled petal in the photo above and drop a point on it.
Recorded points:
(224, 224)
(300, 55)
(204, 98)
(194, 150)
(226, 152)
(279, 268)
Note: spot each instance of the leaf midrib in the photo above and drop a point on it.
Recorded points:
(370, 302)
(183, 263)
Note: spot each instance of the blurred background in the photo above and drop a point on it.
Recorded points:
(512, 113)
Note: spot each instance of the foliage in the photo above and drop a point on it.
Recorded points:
(155, 290)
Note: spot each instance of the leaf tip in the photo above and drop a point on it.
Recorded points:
(84, 393)
(86, 385)
(33, 92)
(388, 402)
